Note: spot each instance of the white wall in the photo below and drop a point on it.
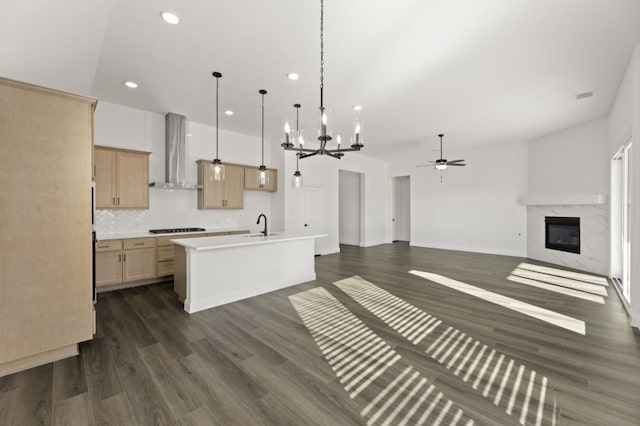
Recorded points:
(572, 162)
(123, 127)
(349, 207)
(475, 208)
(569, 176)
(624, 123)
(323, 171)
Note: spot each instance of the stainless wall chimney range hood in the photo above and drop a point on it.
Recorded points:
(174, 154)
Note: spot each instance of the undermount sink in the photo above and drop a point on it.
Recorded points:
(262, 235)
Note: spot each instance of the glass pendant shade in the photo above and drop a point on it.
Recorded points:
(288, 138)
(324, 123)
(441, 166)
(263, 176)
(356, 136)
(296, 182)
(217, 170)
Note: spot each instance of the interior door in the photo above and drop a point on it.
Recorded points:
(312, 212)
(401, 209)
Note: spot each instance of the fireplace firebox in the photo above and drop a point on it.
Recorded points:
(562, 233)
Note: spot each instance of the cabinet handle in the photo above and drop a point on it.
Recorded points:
(119, 258)
(138, 244)
(125, 257)
(114, 201)
(118, 200)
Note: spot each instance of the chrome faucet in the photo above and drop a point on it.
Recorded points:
(265, 224)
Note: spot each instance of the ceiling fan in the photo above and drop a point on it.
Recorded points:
(443, 163)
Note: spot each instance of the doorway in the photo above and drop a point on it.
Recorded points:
(401, 226)
(350, 208)
(621, 171)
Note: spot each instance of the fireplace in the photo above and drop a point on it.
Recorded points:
(562, 233)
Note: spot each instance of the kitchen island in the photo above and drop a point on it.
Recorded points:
(213, 271)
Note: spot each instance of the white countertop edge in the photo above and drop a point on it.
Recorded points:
(147, 234)
(213, 243)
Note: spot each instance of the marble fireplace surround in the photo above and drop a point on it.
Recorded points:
(593, 211)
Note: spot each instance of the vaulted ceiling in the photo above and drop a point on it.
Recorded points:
(482, 72)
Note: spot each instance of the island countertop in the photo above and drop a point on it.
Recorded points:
(213, 243)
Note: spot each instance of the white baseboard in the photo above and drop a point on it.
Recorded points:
(373, 243)
(469, 249)
(350, 242)
(329, 251)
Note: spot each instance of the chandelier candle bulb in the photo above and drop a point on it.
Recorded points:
(287, 133)
(324, 123)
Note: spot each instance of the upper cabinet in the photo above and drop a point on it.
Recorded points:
(122, 178)
(225, 194)
(251, 180)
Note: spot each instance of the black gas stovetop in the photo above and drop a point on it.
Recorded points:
(175, 230)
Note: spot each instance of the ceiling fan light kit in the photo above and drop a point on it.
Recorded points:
(442, 163)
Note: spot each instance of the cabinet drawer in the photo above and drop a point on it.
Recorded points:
(165, 268)
(165, 253)
(136, 243)
(166, 241)
(108, 245)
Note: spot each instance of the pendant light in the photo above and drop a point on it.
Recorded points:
(324, 130)
(263, 174)
(296, 182)
(217, 168)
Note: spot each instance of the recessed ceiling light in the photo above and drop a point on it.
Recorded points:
(293, 76)
(131, 84)
(170, 18)
(228, 112)
(357, 107)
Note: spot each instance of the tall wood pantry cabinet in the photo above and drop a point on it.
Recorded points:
(46, 296)
(122, 178)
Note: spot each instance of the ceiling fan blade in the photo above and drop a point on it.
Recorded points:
(455, 161)
(425, 165)
(456, 164)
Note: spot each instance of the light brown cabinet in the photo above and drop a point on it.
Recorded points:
(251, 180)
(139, 264)
(122, 178)
(46, 305)
(226, 194)
(123, 261)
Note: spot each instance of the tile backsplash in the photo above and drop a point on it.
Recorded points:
(178, 208)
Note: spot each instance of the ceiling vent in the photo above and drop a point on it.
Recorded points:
(584, 95)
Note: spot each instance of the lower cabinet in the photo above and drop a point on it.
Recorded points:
(147, 260)
(139, 264)
(108, 268)
(122, 261)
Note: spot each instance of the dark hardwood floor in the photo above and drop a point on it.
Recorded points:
(257, 362)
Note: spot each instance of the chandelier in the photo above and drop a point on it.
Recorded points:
(325, 134)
